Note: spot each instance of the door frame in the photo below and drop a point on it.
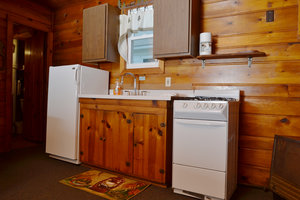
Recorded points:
(11, 20)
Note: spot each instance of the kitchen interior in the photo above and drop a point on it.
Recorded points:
(248, 68)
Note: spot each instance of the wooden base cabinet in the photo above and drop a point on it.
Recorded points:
(128, 136)
(100, 134)
(149, 146)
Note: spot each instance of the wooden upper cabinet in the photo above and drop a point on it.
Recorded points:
(100, 34)
(176, 28)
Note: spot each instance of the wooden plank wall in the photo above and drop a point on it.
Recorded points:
(27, 13)
(270, 89)
(2, 80)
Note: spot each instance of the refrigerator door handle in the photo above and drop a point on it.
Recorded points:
(76, 76)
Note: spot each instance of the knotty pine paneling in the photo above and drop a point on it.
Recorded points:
(250, 175)
(217, 9)
(270, 89)
(256, 22)
(27, 9)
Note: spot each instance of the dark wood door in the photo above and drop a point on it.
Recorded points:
(35, 84)
(4, 129)
(149, 160)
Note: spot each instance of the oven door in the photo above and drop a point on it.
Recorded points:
(200, 143)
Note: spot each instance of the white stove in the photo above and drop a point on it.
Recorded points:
(205, 139)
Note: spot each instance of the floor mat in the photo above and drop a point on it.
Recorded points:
(106, 185)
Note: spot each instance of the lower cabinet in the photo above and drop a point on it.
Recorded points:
(128, 136)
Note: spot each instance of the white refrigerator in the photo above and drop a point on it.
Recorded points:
(66, 83)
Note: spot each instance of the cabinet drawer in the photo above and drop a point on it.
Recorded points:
(197, 180)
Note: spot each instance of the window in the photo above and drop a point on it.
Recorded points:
(140, 50)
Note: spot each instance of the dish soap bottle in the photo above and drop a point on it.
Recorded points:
(117, 90)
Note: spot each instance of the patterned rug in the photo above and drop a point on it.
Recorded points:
(106, 185)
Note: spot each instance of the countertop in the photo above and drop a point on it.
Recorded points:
(165, 95)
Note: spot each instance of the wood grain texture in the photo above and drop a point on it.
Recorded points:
(219, 9)
(126, 136)
(149, 147)
(270, 88)
(298, 19)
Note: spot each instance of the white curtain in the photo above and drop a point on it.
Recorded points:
(137, 20)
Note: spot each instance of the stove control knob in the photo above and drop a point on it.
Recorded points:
(221, 106)
(184, 105)
(197, 106)
(209, 106)
(213, 106)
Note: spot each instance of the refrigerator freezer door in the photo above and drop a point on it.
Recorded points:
(93, 81)
(62, 116)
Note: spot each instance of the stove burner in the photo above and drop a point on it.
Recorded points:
(204, 98)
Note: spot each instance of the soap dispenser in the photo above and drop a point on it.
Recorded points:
(117, 90)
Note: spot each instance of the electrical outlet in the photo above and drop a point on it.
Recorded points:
(142, 78)
(168, 82)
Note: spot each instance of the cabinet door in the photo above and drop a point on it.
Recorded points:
(150, 147)
(106, 139)
(94, 33)
(91, 147)
(100, 34)
(171, 27)
(117, 130)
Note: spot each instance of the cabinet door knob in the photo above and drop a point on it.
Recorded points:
(160, 133)
(104, 139)
(284, 120)
(81, 152)
(162, 171)
(162, 125)
(128, 121)
(127, 164)
(88, 128)
(101, 138)
(81, 116)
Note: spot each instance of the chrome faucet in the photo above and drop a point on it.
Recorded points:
(134, 82)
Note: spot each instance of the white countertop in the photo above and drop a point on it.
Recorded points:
(150, 95)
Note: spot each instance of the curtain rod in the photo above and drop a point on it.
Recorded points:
(134, 4)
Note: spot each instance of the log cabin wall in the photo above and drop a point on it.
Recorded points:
(270, 89)
(23, 12)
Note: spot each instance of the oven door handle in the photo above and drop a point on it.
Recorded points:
(200, 122)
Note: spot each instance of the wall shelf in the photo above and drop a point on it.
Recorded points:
(249, 55)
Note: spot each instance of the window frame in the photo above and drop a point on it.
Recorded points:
(132, 38)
